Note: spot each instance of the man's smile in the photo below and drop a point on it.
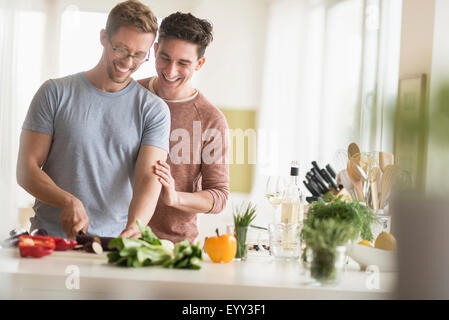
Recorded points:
(170, 79)
(121, 69)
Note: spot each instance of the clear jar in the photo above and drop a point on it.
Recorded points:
(285, 242)
(383, 224)
(240, 234)
(327, 264)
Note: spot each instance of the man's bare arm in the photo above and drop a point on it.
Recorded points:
(33, 152)
(146, 189)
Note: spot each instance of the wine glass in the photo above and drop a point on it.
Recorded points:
(273, 192)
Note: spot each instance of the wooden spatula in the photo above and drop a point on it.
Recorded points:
(356, 180)
(388, 178)
(353, 151)
(374, 174)
(385, 159)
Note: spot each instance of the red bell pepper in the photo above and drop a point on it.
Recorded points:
(64, 244)
(36, 246)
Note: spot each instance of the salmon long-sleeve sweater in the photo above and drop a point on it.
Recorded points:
(197, 159)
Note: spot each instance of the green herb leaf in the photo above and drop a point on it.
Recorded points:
(359, 216)
(244, 215)
(147, 234)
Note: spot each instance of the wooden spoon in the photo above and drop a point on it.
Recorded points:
(388, 178)
(385, 159)
(356, 180)
(373, 183)
(354, 151)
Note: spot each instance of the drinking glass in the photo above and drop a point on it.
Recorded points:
(383, 223)
(242, 248)
(285, 242)
(273, 192)
(327, 265)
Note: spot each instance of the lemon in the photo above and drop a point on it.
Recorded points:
(365, 243)
(385, 241)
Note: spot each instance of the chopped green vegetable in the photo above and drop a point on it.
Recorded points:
(150, 250)
(186, 256)
(147, 234)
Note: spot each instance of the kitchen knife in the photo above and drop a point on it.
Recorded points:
(315, 165)
(315, 187)
(320, 180)
(313, 192)
(317, 172)
(312, 199)
(331, 171)
(331, 177)
(328, 179)
(325, 176)
(318, 185)
(308, 176)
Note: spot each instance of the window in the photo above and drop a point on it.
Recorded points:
(80, 47)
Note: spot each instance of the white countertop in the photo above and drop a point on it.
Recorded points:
(260, 277)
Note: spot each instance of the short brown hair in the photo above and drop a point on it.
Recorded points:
(131, 13)
(185, 26)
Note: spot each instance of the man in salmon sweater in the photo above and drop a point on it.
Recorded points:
(195, 178)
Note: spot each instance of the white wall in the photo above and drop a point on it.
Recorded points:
(438, 156)
(416, 56)
(232, 75)
(425, 49)
(416, 37)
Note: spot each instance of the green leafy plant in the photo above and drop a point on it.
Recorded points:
(329, 233)
(136, 253)
(243, 216)
(359, 216)
(150, 250)
(147, 234)
(322, 237)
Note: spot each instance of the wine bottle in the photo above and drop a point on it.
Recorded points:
(292, 206)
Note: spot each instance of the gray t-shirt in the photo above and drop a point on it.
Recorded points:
(96, 137)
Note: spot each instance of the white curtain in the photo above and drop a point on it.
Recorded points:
(39, 40)
(22, 26)
(331, 72)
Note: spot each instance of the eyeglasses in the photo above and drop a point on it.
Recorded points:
(122, 53)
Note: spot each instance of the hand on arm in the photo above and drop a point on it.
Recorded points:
(146, 190)
(192, 202)
(33, 152)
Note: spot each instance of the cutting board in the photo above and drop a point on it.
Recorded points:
(79, 254)
(69, 254)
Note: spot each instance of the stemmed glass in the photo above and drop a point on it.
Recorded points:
(273, 192)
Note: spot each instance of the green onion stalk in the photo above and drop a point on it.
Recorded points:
(243, 216)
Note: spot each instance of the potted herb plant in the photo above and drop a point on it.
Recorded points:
(326, 239)
(328, 227)
(358, 215)
(243, 216)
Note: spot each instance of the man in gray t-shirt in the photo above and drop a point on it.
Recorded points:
(90, 140)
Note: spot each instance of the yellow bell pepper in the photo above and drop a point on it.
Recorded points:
(221, 248)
